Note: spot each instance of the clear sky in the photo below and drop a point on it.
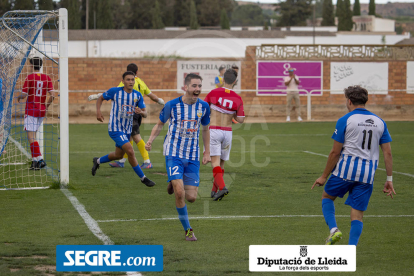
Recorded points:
(334, 1)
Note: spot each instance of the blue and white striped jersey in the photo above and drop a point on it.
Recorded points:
(361, 133)
(184, 127)
(123, 108)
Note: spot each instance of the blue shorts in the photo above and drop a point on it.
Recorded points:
(187, 170)
(119, 137)
(359, 193)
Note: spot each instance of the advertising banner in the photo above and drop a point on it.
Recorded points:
(271, 74)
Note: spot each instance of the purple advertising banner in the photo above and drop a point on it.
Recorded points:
(271, 74)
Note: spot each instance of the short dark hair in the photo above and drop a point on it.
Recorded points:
(357, 94)
(127, 73)
(235, 67)
(133, 68)
(222, 67)
(191, 76)
(230, 76)
(36, 62)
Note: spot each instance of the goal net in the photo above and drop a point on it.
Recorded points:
(29, 127)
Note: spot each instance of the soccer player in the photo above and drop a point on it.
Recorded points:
(225, 106)
(181, 149)
(125, 102)
(135, 134)
(36, 87)
(219, 79)
(353, 161)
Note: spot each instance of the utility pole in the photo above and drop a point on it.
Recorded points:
(313, 21)
(87, 28)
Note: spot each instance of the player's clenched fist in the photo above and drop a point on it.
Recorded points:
(148, 146)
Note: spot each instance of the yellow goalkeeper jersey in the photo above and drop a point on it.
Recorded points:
(139, 86)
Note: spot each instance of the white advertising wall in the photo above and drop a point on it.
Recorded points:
(208, 70)
(410, 77)
(371, 75)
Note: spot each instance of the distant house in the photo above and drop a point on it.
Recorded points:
(370, 23)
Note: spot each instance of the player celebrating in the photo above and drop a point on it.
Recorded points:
(125, 102)
(135, 134)
(225, 106)
(181, 149)
(353, 161)
(36, 87)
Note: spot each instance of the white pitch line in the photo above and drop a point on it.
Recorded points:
(248, 217)
(91, 223)
(381, 169)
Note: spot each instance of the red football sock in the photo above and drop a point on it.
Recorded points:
(218, 177)
(215, 187)
(35, 149)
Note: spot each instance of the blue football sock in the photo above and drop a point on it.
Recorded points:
(104, 159)
(183, 217)
(328, 210)
(355, 233)
(138, 171)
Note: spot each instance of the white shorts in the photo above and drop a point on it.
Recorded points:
(220, 143)
(32, 123)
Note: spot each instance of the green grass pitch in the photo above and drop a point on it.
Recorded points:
(269, 175)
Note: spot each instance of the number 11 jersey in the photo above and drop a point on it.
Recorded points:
(361, 132)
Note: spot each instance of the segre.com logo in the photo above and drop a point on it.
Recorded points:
(109, 258)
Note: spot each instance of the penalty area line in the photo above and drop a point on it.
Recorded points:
(248, 217)
(381, 169)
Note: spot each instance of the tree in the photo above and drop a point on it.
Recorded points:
(328, 18)
(121, 14)
(371, 7)
(74, 15)
(247, 15)
(45, 5)
(349, 24)
(340, 13)
(156, 17)
(23, 5)
(104, 15)
(357, 8)
(294, 12)
(224, 20)
(181, 11)
(4, 6)
(210, 11)
(141, 17)
(193, 16)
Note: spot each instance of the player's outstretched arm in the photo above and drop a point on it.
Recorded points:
(94, 97)
(332, 160)
(154, 133)
(99, 115)
(154, 98)
(388, 186)
(206, 142)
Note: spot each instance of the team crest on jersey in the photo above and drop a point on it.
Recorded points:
(369, 121)
(199, 114)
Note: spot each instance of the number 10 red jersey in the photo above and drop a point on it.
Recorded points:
(225, 101)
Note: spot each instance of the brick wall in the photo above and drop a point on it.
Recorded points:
(103, 73)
